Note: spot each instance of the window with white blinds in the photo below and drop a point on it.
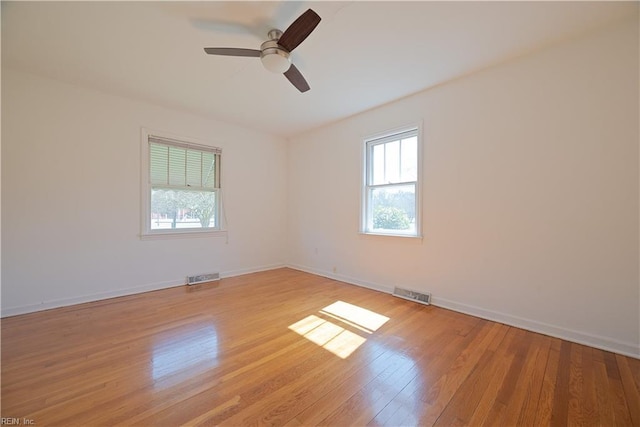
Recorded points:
(182, 186)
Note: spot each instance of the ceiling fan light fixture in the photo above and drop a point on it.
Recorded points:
(276, 62)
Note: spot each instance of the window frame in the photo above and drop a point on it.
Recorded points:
(367, 185)
(146, 233)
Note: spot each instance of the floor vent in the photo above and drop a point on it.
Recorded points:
(201, 278)
(422, 298)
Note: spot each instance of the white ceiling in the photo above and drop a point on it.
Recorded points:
(362, 55)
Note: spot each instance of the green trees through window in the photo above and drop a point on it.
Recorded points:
(394, 211)
(173, 208)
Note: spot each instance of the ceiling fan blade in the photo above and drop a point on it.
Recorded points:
(296, 78)
(299, 30)
(232, 51)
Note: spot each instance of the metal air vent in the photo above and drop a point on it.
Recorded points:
(422, 298)
(201, 278)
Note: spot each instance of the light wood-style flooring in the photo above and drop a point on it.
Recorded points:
(289, 348)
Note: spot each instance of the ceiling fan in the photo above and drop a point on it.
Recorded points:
(274, 53)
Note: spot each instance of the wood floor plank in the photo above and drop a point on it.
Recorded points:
(634, 365)
(236, 352)
(532, 383)
(525, 385)
(616, 391)
(631, 392)
(604, 401)
(547, 392)
(589, 401)
(574, 413)
(560, 408)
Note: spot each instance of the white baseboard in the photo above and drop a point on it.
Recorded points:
(64, 302)
(603, 343)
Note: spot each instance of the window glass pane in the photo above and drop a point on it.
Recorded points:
(177, 173)
(158, 164)
(392, 162)
(393, 209)
(409, 159)
(377, 160)
(182, 209)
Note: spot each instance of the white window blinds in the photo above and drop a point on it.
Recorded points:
(174, 164)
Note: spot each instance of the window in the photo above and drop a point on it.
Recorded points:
(181, 186)
(391, 187)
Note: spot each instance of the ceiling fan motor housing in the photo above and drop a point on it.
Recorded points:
(273, 56)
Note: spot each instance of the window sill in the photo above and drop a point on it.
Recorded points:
(405, 236)
(164, 235)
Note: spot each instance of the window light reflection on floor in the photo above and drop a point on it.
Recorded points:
(333, 337)
(186, 351)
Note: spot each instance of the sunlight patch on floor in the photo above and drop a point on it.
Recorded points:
(333, 337)
(360, 316)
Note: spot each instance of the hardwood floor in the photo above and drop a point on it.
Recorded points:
(288, 348)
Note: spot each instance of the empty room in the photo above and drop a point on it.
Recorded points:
(320, 213)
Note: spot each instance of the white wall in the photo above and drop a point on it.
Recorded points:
(71, 197)
(530, 197)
